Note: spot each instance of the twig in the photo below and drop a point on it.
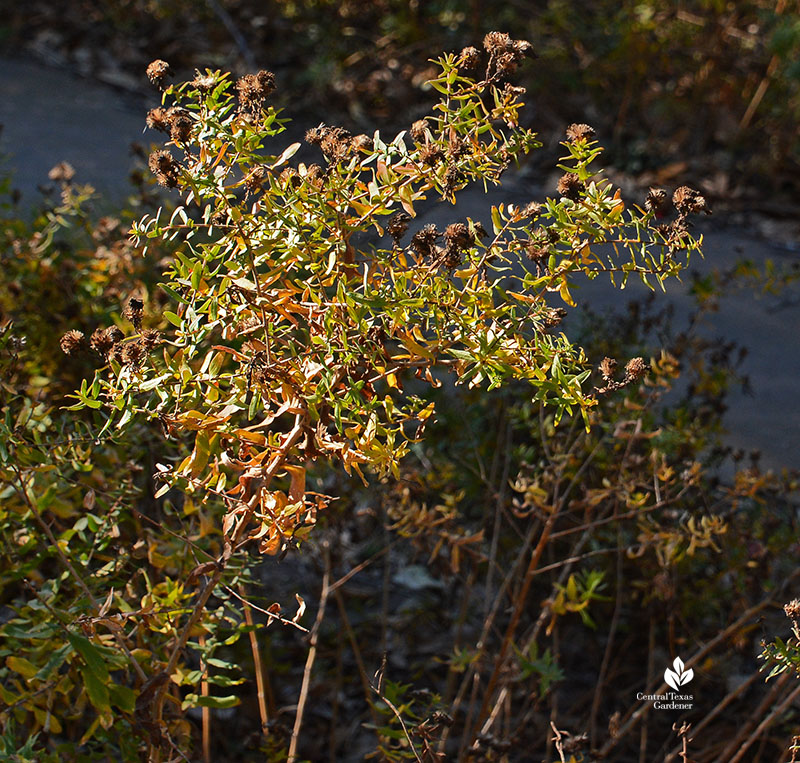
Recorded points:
(379, 691)
(312, 655)
(351, 636)
(257, 665)
(205, 711)
(558, 742)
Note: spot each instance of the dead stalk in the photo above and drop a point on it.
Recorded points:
(258, 666)
(312, 655)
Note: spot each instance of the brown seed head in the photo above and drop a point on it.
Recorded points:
(156, 71)
(452, 179)
(458, 236)
(63, 172)
(72, 341)
(253, 90)
(507, 63)
(571, 186)
(164, 167)
(552, 316)
(203, 82)
(496, 43)
(180, 124)
(430, 154)
(150, 338)
(523, 48)
(531, 209)
(132, 354)
(133, 312)
(418, 131)
(315, 135)
(423, 241)
(688, 200)
(158, 119)
(362, 143)
(255, 178)
(635, 369)
(535, 250)
(608, 367)
(289, 175)
(398, 225)
(577, 132)
(103, 341)
(470, 58)
(451, 258)
(792, 609)
(457, 148)
(656, 200)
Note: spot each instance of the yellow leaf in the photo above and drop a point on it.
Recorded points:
(22, 666)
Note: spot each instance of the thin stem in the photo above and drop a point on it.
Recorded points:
(312, 655)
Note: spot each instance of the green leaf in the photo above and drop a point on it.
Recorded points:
(123, 697)
(193, 700)
(91, 655)
(96, 690)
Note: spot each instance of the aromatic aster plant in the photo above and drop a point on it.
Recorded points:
(309, 311)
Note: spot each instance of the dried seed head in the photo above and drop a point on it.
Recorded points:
(418, 131)
(72, 341)
(480, 231)
(423, 242)
(157, 70)
(535, 251)
(255, 178)
(571, 186)
(158, 119)
(635, 369)
(496, 43)
(203, 82)
(315, 135)
(458, 236)
(289, 175)
(362, 143)
(315, 175)
(398, 225)
(253, 90)
(133, 312)
(688, 200)
(164, 167)
(457, 148)
(451, 258)
(608, 367)
(452, 179)
(180, 124)
(577, 132)
(63, 172)
(552, 316)
(507, 63)
(470, 58)
(656, 200)
(133, 354)
(430, 154)
(792, 609)
(151, 338)
(103, 341)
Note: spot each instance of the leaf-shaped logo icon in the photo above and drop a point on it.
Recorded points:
(678, 677)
